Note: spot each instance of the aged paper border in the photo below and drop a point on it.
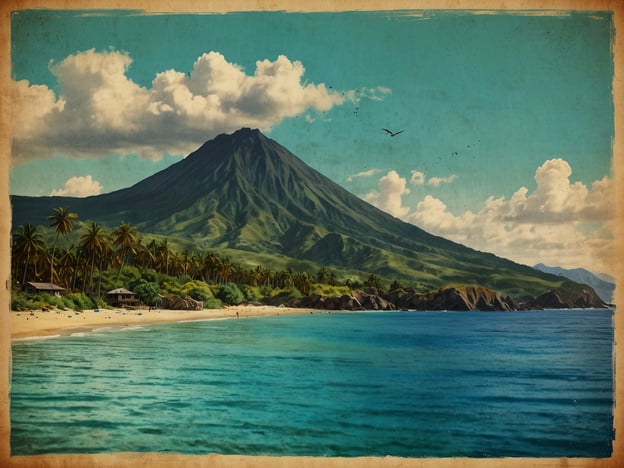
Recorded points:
(198, 6)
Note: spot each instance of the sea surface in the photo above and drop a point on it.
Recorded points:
(409, 384)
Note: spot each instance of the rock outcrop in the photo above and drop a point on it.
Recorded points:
(567, 298)
(456, 298)
(452, 298)
(178, 303)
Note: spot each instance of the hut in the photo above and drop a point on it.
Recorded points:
(49, 288)
(121, 297)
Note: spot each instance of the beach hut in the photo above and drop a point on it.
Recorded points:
(50, 288)
(121, 297)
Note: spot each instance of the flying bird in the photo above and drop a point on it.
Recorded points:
(391, 133)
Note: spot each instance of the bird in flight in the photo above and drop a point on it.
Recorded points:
(391, 133)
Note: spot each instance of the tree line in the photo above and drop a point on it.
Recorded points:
(81, 267)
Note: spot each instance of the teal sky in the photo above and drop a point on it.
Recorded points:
(484, 99)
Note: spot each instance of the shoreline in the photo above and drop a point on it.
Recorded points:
(54, 323)
(45, 324)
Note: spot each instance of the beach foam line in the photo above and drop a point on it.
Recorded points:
(36, 338)
(211, 319)
(131, 328)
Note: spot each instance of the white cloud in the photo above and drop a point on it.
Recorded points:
(369, 173)
(417, 178)
(436, 181)
(391, 188)
(373, 94)
(560, 223)
(79, 186)
(101, 111)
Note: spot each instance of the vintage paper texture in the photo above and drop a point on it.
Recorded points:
(148, 459)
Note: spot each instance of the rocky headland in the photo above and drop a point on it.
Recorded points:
(456, 298)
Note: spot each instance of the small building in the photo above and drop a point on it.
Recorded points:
(121, 297)
(49, 288)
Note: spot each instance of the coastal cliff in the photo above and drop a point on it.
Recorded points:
(567, 298)
(456, 298)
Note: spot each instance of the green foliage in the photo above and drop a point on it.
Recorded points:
(251, 293)
(21, 301)
(78, 301)
(353, 283)
(147, 292)
(171, 288)
(129, 274)
(198, 290)
(289, 293)
(149, 276)
(213, 303)
(328, 290)
(45, 300)
(230, 294)
(373, 281)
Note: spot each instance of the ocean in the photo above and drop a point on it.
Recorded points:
(408, 384)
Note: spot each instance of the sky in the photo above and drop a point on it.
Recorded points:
(507, 119)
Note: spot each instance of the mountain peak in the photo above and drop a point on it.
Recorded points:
(244, 132)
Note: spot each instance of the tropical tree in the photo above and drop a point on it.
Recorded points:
(162, 254)
(322, 276)
(68, 267)
(105, 255)
(373, 281)
(63, 222)
(92, 243)
(332, 280)
(230, 294)
(303, 282)
(147, 292)
(124, 238)
(27, 242)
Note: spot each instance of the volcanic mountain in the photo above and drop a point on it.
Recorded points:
(245, 193)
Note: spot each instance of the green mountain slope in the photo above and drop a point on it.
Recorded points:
(246, 193)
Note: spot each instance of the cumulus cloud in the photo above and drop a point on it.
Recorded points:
(369, 173)
(560, 223)
(100, 110)
(79, 186)
(388, 198)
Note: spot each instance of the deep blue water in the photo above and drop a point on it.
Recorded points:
(412, 384)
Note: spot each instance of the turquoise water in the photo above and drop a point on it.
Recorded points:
(413, 384)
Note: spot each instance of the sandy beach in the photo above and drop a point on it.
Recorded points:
(49, 323)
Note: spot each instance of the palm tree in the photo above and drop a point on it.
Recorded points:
(124, 237)
(163, 256)
(63, 221)
(92, 243)
(303, 282)
(106, 255)
(322, 276)
(27, 242)
(67, 263)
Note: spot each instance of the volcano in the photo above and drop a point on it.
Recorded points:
(244, 193)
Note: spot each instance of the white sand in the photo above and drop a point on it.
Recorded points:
(51, 323)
